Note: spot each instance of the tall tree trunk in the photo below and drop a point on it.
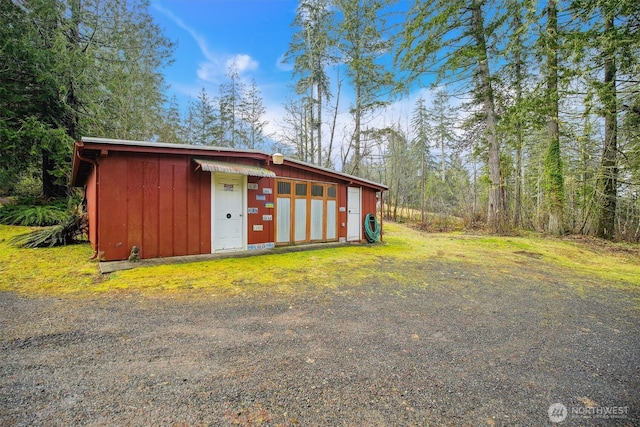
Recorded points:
(305, 133)
(49, 186)
(517, 195)
(496, 211)
(319, 124)
(475, 189)
(71, 119)
(553, 162)
(422, 182)
(443, 161)
(327, 160)
(609, 164)
(312, 128)
(356, 133)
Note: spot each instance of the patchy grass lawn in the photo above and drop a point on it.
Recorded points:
(399, 262)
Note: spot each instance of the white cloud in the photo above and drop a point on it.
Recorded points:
(202, 43)
(283, 65)
(216, 65)
(242, 62)
(207, 71)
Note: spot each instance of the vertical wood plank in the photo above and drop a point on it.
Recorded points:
(205, 213)
(91, 194)
(165, 209)
(342, 215)
(150, 218)
(193, 213)
(113, 213)
(134, 203)
(180, 223)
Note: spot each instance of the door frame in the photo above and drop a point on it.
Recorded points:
(215, 176)
(293, 197)
(349, 220)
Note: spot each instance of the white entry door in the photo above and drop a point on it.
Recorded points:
(228, 212)
(354, 219)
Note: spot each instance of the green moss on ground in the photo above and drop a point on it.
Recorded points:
(407, 258)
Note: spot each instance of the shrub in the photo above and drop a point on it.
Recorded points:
(32, 214)
(70, 230)
(28, 185)
(64, 221)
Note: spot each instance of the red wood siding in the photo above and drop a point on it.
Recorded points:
(342, 213)
(368, 200)
(162, 207)
(267, 234)
(92, 208)
(284, 171)
(161, 203)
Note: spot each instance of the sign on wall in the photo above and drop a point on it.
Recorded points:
(260, 246)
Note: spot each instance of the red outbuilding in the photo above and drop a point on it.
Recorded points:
(173, 199)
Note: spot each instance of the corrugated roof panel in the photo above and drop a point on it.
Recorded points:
(233, 168)
(147, 146)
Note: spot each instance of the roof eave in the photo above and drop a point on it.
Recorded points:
(106, 144)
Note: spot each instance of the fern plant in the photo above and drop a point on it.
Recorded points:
(71, 230)
(32, 214)
(69, 224)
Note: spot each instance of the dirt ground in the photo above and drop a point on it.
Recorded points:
(471, 348)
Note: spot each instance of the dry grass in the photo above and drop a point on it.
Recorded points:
(398, 262)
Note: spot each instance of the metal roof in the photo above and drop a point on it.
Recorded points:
(204, 150)
(233, 168)
(150, 144)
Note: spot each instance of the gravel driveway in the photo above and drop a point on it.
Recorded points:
(471, 348)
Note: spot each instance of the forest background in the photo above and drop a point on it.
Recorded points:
(531, 120)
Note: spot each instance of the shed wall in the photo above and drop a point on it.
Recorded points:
(264, 216)
(92, 208)
(162, 207)
(368, 201)
(158, 203)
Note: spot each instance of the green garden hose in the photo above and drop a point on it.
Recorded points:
(372, 234)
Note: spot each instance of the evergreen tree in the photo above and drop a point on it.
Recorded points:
(33, 141)
(310, 49)
(360, 41)
(452, 39)
(516, 94)
(443, 120)
(252, 116)
(231, 101)
(421, 148)
(554, 177)
(97, 65)
(169, 128)
(205, 130)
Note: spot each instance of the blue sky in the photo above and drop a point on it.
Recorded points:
(253, 34)
(211, 34)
